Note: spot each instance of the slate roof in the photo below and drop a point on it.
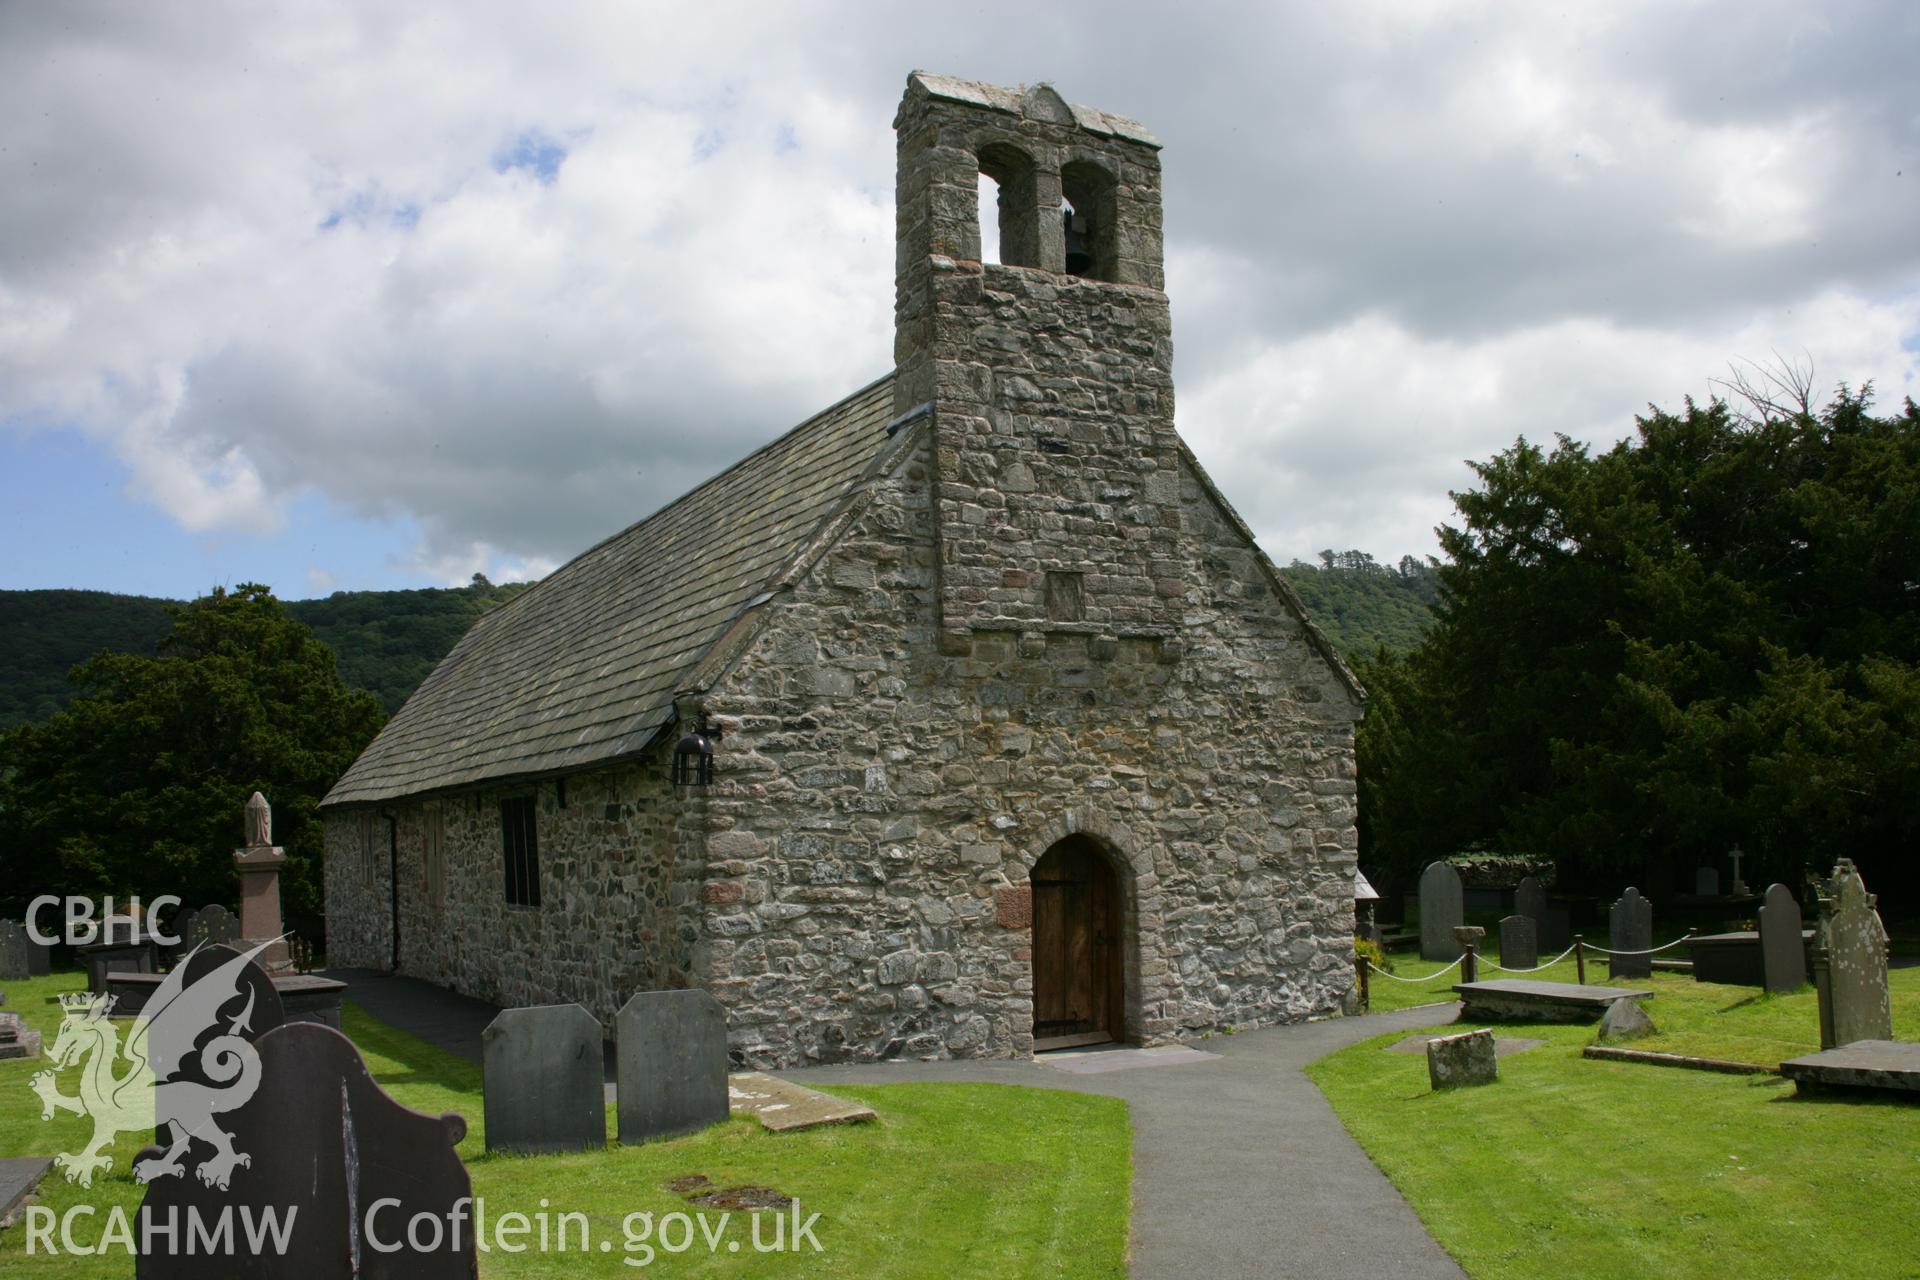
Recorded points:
(582, 668)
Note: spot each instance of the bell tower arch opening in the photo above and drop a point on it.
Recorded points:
(1012, 224)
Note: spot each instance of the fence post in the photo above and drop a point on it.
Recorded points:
(1366, 995)
(1580, 958)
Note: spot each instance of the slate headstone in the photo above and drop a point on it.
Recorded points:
(1468, 1058)
(1851, 947)
(1783, 953)
(320, 1134)
(210, 924)
(258, 989)
(672, 1064)
(39, 959)
(1625, 1020)
(1442, 910)
(1629, 929)
(1530, 899)
(1519, 943)
(1706, 882)
(542, 1073)
(16, 959)
(1553, 930)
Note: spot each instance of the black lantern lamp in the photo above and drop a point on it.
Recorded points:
(693, 757)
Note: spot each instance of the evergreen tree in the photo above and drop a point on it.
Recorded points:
(137, 786)
(1707, 635)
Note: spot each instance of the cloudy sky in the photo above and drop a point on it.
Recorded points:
(372, 295)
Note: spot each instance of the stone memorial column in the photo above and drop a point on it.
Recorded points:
(259, 863)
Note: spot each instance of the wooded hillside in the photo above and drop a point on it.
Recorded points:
(1366, 607)
(386, 641)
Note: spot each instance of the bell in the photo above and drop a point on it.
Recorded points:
(1079, 252)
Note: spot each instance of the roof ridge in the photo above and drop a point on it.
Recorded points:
(666, 507)
(587, 672)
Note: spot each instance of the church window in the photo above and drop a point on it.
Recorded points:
(433, 854)
(520, 847)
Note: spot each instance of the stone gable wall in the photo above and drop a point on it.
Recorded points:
(879, 803)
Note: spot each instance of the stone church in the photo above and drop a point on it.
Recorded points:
(964, 719)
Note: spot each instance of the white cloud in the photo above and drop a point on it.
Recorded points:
(1353, 437)
(257, 255)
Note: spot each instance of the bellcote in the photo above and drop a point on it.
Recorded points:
(1049, 373)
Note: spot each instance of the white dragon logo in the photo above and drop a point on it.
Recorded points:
(162, 1043)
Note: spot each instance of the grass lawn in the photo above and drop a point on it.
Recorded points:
(1570, 1167)
(954, 1179)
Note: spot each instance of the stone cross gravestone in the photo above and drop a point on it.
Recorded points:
(1783, 954)
(1519, 943)
(16, 951)
(1850, 963)
(672, 1064)
(319, 1134)
(543, 1080)
(1630, 929)
(1706, 882)
(1442, 910)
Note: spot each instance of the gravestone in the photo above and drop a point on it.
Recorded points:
(1519, 946)
(1850, 963)
(1706, 882)
(320, 1134)
(1552, 930)
(16, 951)
(1739, 886)
(210, 924)
(1783, 953)
(1625, 1020)
(1630, 928)
(1530, 900)
(259, 862)
(672, 1064)
(1442, 910)
(17, 1040)
(1468, 1058)
(543, 1080)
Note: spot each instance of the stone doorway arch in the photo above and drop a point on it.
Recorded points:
(1080, 945)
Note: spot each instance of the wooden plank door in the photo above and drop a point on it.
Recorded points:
(1076, 947)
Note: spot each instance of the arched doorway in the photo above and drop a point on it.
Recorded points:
(1077, 947)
